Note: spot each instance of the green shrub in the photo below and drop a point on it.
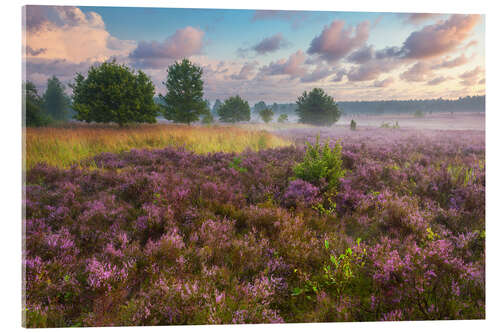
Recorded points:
(389, 125)
(283, 118)
(419, 114)
(321, 164)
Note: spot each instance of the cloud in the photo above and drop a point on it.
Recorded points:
(58, 67)
(339, 75)
(73, 16)
(436, 81)
(295, 18)
(361, 55)
(319, 73)
(36, 17)
(270, 44)
(458, 61)
(470, 78)
(293, 66)
(442, 37)
(267, 45)
(372, 69)
(39, 70)
(36, 52)
(418, 18)
(421, 71)
(384, 83)
(470, 44)
(183, 43)
(336, 41)
(388, 52)
(68, 33)
(472, 73)
(246, 71)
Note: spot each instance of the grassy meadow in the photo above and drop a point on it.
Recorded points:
(64, 146)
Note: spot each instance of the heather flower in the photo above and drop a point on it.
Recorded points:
(159, 237)
(301, 193)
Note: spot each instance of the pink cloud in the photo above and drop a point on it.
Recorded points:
(35, 16)
(442, 37)
(471, 44)
(183, 43)
(458, 61)
(417, 18)
(361, 55)
(246, 71)
(336, 40)
(339, 75)
(372, 69)
(36, 52)
(293, 66)
(421, 71)
(470, 78)
(319, 73)
(70, 35)
(295, 18)
(384, 83)
(74, 16)
(472, 73)
(436, 81)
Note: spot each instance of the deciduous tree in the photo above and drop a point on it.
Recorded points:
(114, 93)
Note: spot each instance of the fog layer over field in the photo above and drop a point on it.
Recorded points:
(445, 121)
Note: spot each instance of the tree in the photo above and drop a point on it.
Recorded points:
(32, 106)
(259, 106)
(184, 99)
(56, 102)
(283, 118)
(266, 115)
(208, 118)
(234, 109)
(317, 108)
(114, 93)
(216, 106)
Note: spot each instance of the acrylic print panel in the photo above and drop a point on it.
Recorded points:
(218, 166)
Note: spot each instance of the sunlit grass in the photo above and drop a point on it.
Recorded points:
(64, 146)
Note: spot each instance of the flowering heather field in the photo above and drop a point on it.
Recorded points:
(158, 237)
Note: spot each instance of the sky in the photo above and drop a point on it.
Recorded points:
(263, 55)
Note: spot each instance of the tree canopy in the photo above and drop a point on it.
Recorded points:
(317, 108)
(234, 109)
(32, 106)
(259, 106)
(56, 102)
(184, 99)
(113, 92)
(266, 115)
(216, 106)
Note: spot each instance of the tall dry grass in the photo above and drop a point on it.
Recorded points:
(64, 146)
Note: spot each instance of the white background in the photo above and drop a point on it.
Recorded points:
(10, 155)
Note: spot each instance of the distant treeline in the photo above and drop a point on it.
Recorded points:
(463, 104)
